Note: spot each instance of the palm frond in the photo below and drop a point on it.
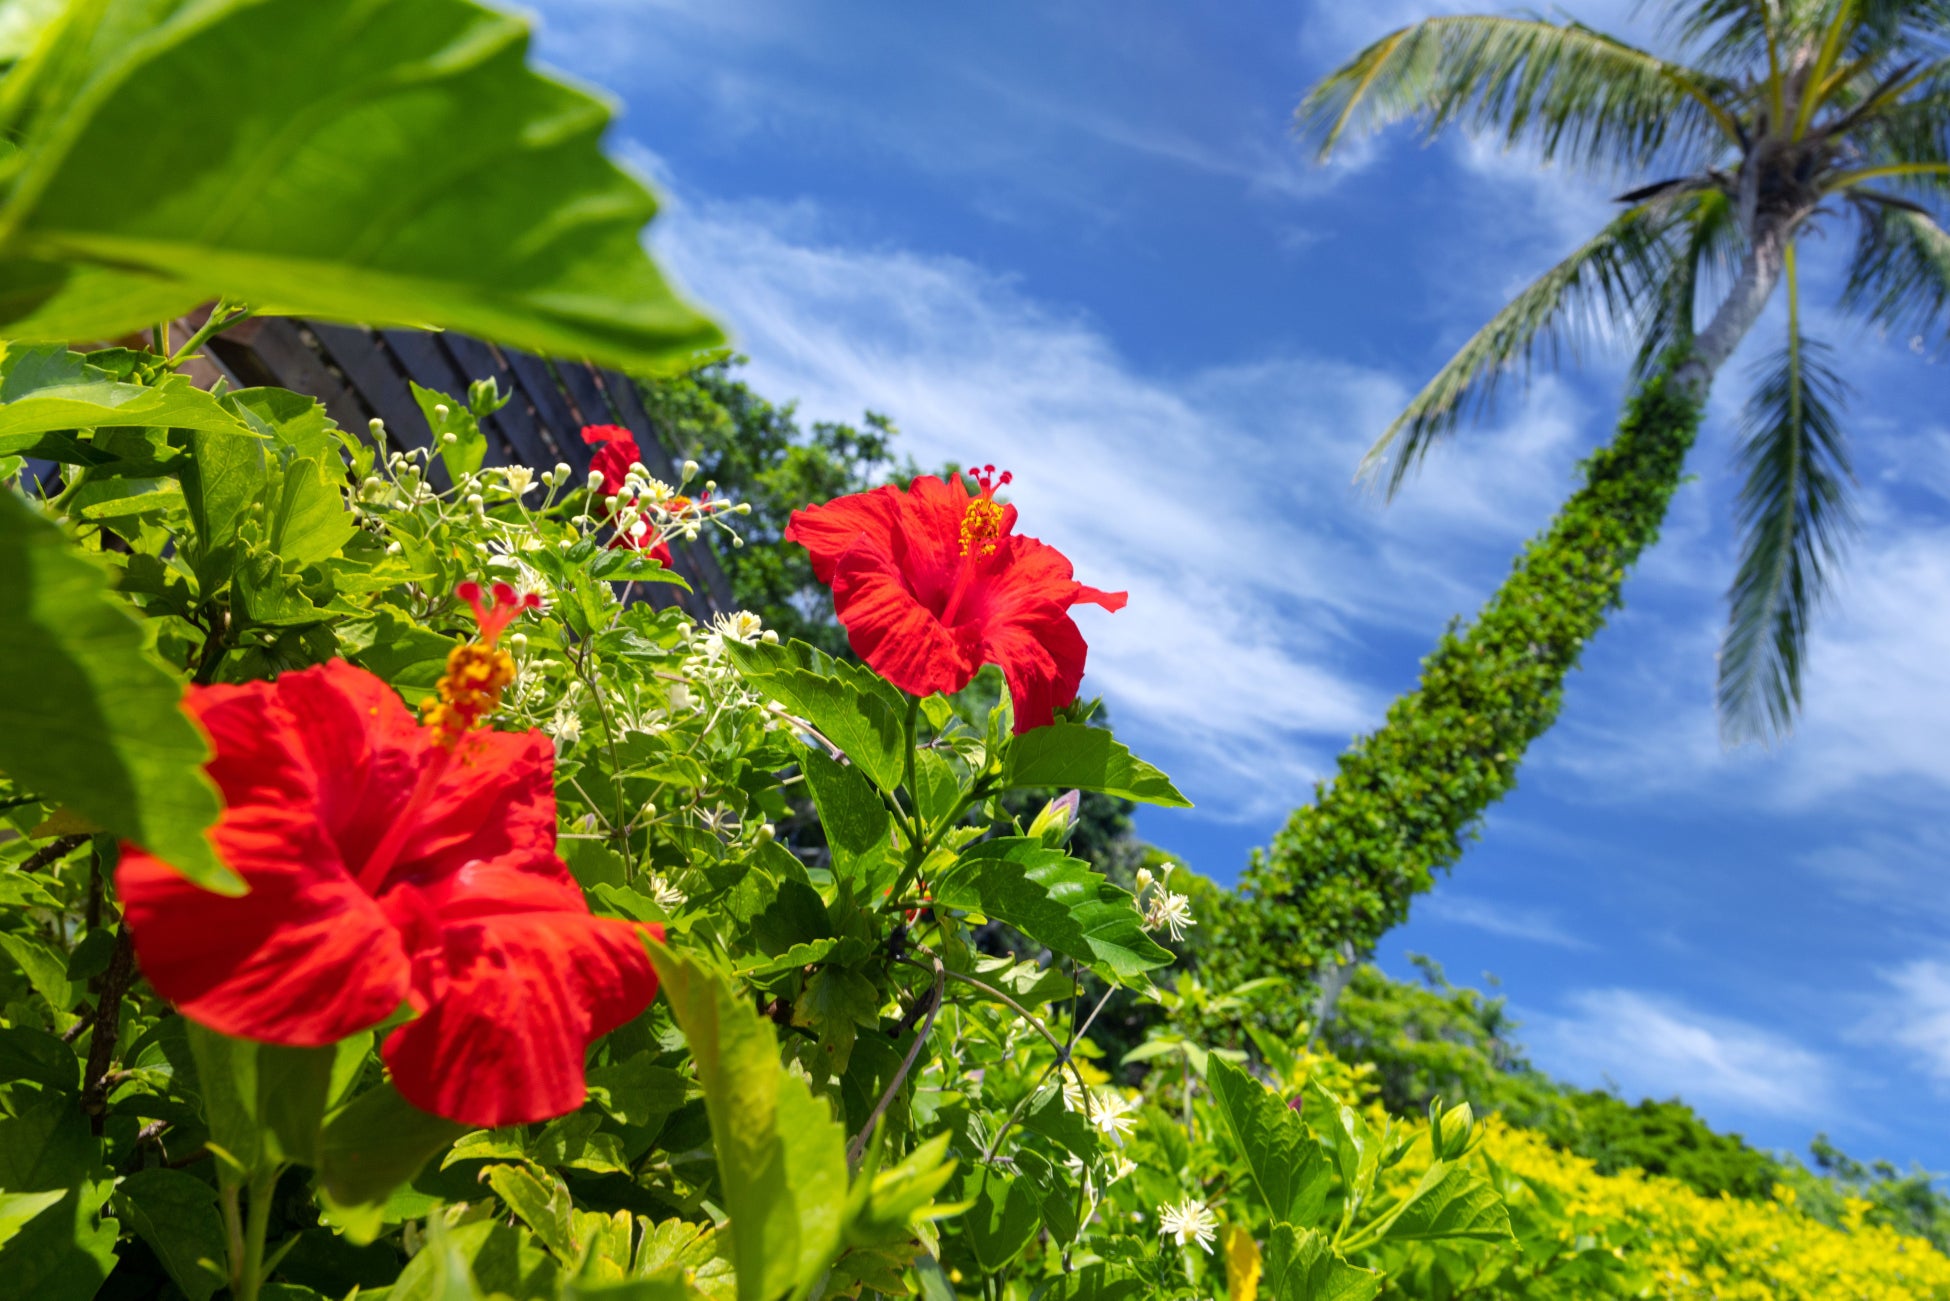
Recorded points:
(1796, 515)
(1563, 87)
(1614, 275)
(1709, 245)
(1899, 276)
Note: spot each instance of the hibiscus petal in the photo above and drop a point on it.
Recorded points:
(1112, 601)
(1041, 654)
(828, 532)
(525, 995)
(363, 745)
(928, 548)
(495, 801)
(306, 957)
(897, 636)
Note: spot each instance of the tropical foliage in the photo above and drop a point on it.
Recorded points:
(393, 904)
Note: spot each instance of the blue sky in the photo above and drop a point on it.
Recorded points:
(1081, 242)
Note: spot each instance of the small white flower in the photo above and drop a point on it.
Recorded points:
(565, 726)
(1121, 1166)
(668, 897)
(680, 697)
(1189, 1222)
(1173, 912)
(519, 479)
(1112, 1114)
(1144, 880)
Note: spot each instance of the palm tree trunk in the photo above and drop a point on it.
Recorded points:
(1760, 271)
(1406, 797)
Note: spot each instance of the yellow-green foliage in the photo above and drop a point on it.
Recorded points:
(1583, 1234)
(1726, 1247)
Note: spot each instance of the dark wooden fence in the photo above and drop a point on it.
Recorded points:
(360, 374)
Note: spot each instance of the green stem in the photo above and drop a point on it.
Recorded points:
(255, 1228)
(224, 315)
(233, 1233)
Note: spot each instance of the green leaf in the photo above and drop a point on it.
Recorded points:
(388, 164)
(1291, 1169)
(46, 968)
(64, 1253)
(103, 730)
(1450, 1201)
(176, 1214)
(16, 1209)
(850, 707)
(1056, 900)
(265, 1103)
(445, 416)
(781, 1156)
(856, 819)
(1357, 1151)
(835, 1004)
(376, 1143)
(544, 1207)
(30, 1054)
(1003, 1219)
(1076, 755)
(637, 1091)
(45, 388)
(47, 1146)
(1300, 1266)
(440, 1270)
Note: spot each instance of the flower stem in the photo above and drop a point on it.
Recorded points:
(251, 1277)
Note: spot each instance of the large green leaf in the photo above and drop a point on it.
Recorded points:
(374, 1144)
(851, 707)
(1076, 755)
(176, 1214)
(44, 388)
(1291, 1169)
(385, 163)
(1451, 1201)
(781, 1155)
(856, 819)
(1056, 900)
(64, 1253)
(265, 1104)
(1299, 1266)
(90, 719)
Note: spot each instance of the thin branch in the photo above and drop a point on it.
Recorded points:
(51, 852)
(859, 1143)
(107, 1023)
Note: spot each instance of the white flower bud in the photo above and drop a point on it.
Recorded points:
(690, 468)
(595, 480)
(440, 411)
(450, 439)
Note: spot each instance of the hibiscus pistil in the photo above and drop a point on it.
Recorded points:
(477, 671)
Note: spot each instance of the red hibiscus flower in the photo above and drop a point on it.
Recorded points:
(393, 863)
(616, 452)
(931, 584)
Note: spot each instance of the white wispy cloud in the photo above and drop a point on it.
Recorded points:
(1915, 1016)
(1221, 497)
(1510, 921)
(1654, 1047)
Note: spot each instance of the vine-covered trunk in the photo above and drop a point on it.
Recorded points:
(1406, 797)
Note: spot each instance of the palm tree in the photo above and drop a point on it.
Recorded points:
(1779, 118)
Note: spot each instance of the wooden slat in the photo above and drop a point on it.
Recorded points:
(427, 364)
(358, 353)
(514, 424)
(550, 408)
(585, 393)
(715, 585)
(279, 347)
